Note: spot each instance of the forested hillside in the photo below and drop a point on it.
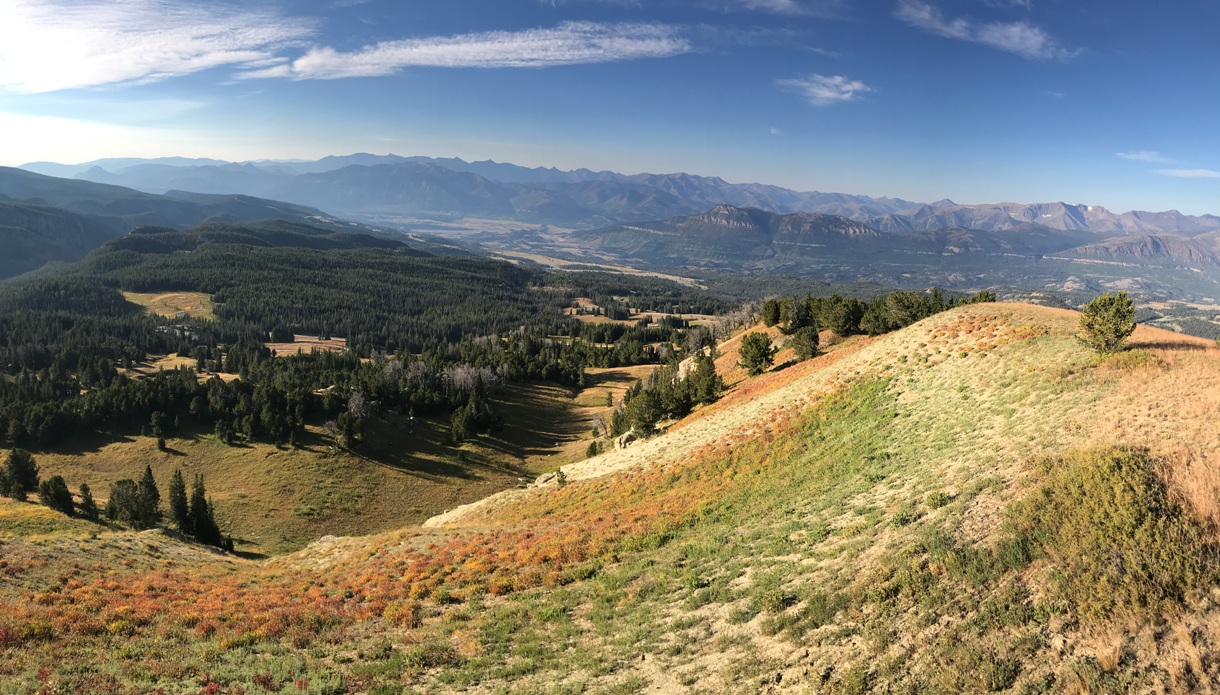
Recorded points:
(64, 338)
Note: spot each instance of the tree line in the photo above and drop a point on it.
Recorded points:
(134, 504)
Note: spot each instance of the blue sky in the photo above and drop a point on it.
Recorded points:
(1114, 103)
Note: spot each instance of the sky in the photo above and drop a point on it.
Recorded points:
(1104, 102)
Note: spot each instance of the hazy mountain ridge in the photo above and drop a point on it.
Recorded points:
(741, 236)
(1203, 249)
(1062, 216)
(544, 195)
(33, 235)
(587, 198)
(45, 218)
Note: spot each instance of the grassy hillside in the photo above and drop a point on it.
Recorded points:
(277, 499)
(973, 503)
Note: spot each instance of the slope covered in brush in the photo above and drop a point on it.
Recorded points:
(927, 511)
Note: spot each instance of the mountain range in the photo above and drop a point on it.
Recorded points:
(675, 221)
(380, 187)
(45, 218)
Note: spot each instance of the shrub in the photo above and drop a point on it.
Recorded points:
(938, 499)
(1118, 540)
(1107, 321)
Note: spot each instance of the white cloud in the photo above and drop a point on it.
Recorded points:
(793, 7)
(1189, 173)
(776, 131)
(571, 43)
(824, 90)
(1021, 38)
(1145, 156)
(50, 45)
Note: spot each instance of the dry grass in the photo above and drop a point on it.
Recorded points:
(173, 304)
(305, 344)
(274, 500)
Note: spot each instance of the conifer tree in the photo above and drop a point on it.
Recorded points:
(21, 473)
(179, 508)
(1107, 322)
(148, 510)
(705, 383)
(770, 312)
(757, 353)
(88, 507)
(203, 522)
(54, 493)
(805, 342)
(124, 503)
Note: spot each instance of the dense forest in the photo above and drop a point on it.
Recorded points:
(424, 334)
(432, 336)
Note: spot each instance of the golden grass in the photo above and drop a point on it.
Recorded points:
(305, 344)
(152, 364)
(172, 304)
(274, 500)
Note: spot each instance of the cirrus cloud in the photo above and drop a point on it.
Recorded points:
(1021, 38)
(1144, 156)
(571, 43)
(824, 90)
(52, 45)
(1189, 173)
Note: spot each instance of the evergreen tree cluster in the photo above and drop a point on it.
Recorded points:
(138, 505)
(851, 316)
(665, 395)
(19, 477)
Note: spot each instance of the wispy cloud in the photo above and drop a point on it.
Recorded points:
(824, 90)
(776, 132)
(1145, 156)
(791, 8)
(1021, 38)
(794, 8)
(50, 45)
(1189, 173)
(571, 43)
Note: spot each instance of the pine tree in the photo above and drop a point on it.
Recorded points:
(805, 342)
(770, 312)
(757, 353)
(88, 507)
(22, 473)
(203, 522)
(179, 508)
(148, 510)
(54, 493)
(124, 503)
(705, 384)
(1107, 322)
